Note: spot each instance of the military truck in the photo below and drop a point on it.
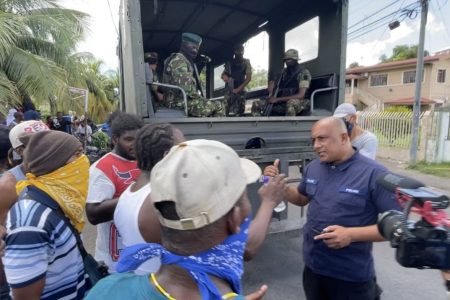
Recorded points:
(317, 29)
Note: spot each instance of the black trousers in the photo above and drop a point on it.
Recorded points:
(319, 287)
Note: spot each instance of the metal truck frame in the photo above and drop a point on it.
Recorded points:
(157, 26)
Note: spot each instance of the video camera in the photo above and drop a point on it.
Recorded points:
(423, 243)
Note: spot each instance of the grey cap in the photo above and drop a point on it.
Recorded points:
(344, 110)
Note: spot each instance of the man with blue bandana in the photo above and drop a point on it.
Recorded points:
(204, 229)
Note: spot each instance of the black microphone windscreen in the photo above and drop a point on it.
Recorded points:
(391, 182)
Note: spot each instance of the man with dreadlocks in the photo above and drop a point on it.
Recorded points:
(152, 143)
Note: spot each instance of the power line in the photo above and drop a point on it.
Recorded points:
(442, 17)
(365, 19)
(112, 17)
(407, 11)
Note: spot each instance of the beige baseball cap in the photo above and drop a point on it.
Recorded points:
(204, 179)
(23, 129)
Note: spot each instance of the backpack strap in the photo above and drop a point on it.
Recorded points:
(44, 199)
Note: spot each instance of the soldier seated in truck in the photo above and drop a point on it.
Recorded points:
(180, 70)
(239, 73)
(151, 63)
(288, 95)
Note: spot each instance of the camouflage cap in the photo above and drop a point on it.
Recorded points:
(291, 54)
(151, 57)
(191, 38)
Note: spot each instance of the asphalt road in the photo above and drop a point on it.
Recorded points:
(279, 263)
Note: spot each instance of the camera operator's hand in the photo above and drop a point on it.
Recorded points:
(335, 237)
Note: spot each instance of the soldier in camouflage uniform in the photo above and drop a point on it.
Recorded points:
(237, 75)
(180, 70)
(289, 91)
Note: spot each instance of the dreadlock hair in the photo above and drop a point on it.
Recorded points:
(124, 122)
(152, 143)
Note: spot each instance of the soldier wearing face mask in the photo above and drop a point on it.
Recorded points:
(288, 94)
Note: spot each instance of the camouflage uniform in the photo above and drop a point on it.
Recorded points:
(288, 85)
(178, 70)
(239, 71)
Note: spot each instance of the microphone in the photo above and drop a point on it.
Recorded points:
(205, 57)
(391, 182)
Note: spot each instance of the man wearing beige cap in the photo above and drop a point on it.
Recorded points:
(363, 140)
(199, 192)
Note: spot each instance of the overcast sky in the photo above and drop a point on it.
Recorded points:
(366, 49)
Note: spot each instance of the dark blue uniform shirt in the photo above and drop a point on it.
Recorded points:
(345, 194)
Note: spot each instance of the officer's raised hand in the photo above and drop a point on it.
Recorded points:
(272, 170)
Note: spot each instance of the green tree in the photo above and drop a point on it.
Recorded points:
(259, 79)
(36, 39)
(354, 65)
(402, 52)
(102, 97)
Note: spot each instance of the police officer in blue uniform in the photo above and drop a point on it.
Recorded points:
(344, 203)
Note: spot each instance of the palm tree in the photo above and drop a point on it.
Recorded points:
(36, 39)
(102, 99)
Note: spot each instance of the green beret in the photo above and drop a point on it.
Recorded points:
(191, 38)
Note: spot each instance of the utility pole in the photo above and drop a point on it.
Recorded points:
(419, 77)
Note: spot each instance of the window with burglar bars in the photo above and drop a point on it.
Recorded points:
(378, 80)
(441, 75)
(409, 77)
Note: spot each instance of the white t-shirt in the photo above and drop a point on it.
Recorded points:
(126, 219)
(109, 177)
(82, 131)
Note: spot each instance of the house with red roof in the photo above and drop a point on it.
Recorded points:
(393, 83)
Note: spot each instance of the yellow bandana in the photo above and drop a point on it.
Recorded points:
(67, 185)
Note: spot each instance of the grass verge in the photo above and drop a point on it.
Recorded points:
(441, 170)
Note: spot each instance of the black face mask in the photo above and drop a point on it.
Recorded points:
(349, 126)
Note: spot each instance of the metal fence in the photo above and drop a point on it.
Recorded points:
(393, 129)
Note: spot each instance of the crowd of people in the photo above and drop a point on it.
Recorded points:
(160, 233)
(163, 235)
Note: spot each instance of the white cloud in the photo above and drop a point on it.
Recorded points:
(102, 38)
(433, 24)
(368, 53)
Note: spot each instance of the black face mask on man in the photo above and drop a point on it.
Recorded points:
(348, 125)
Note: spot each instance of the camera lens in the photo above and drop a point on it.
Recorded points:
(389, 223)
